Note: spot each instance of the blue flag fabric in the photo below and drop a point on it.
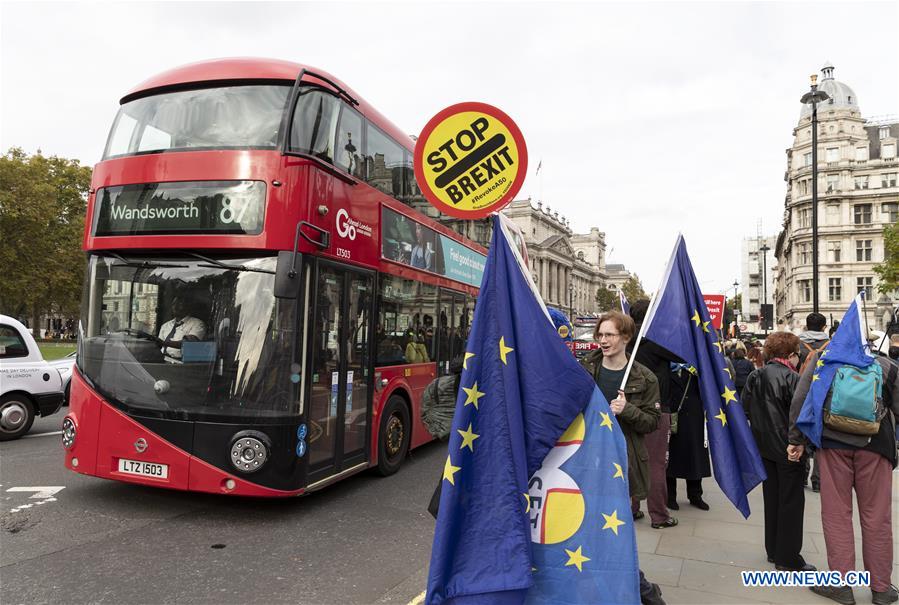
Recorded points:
(625, 306)
(520, 389)
(584, 542)
(679, 321)
(849, 346)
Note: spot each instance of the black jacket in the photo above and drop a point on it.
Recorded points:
(742, 368)
(766, 398)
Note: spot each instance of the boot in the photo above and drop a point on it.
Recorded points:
(840, 594)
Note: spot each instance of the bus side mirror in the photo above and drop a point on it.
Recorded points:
(287, 274)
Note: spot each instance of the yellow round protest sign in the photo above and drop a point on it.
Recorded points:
(470, 160)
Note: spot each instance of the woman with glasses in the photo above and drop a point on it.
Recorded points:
(766, 397)
(637, 409)
(637, 406)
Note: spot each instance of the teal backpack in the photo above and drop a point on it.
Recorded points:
(854, 404)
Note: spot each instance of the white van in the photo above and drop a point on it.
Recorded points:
(29, 386)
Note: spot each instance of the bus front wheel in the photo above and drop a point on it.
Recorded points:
(393, 436)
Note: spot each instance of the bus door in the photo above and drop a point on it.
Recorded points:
(341, 383)
(454, 315)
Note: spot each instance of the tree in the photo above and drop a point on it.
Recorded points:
(42, 207)
(607, 300)
(633, 289)
(888, 270)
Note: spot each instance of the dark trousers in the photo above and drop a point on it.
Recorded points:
(694, 488)
(784, 511)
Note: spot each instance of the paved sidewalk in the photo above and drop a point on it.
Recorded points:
(700, 560)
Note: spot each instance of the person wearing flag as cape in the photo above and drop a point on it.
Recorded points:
(846, 406)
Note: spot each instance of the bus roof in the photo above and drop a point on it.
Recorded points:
(248, 69)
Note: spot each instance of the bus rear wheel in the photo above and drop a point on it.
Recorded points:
(394, 436)
(16, 416)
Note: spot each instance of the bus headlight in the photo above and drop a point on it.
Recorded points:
(250, 450)
(68, 433)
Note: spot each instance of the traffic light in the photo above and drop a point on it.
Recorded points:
(766, 316)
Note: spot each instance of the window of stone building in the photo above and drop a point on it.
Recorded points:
(805, 290)
(833, 154)
(861, 214)
(890, 211)
(863, 250)
(888, 179)
(802, 253)
(834, 289)
(884, 132)
(832, 215)
(861, 182)
(803, 217)
(866, 285)
(807, 159)
(833, 183)
(861, 154)
(834, 251)
(888, 151)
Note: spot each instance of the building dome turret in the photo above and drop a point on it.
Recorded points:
(841, 95)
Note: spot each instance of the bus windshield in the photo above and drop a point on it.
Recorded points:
(185, 338)
(209, 118)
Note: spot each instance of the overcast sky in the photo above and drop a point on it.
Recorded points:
(649, 118)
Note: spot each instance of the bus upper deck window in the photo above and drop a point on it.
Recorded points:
(315, 125)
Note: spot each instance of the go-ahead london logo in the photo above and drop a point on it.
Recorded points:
(470, 160)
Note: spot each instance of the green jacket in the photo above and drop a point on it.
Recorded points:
(639, 417)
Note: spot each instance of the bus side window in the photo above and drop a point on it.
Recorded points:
(384, 160)
(315, 124)
(349, 142)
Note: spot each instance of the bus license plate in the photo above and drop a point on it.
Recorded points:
(144, 469)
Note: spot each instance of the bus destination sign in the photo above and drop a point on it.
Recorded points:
(224, 207)
(470, 160)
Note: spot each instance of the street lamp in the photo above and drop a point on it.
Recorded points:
(764, 251)
(814, 96)
(734, 314)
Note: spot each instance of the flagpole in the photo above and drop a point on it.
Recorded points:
(650, 313)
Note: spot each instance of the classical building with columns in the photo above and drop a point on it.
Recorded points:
(567, 267)
(858, 196)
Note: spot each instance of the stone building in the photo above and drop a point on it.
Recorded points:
(857, 197)
(757, 278)
(567, 267)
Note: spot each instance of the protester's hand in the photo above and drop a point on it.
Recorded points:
(617, 404)
(794, 452)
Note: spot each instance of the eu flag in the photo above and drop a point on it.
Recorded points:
(849, 346)
(520, 389)
(625, 306)
(679, 321)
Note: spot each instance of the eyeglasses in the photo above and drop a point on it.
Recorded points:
(608, 335)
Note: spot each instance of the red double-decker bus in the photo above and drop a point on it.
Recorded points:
(263, 304)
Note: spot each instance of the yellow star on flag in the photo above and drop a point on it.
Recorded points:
(727, 371)
(696, 318)
(722, 417)
(718, 345)
(503, 349)
(468, 438)
(619, 473)
(815, 377)
(473, 395)
(527, 505)
(820, 363)
(826, 351)
(449, 471)
(575, 557)
(465, 361)
(729, 395)
(692, 370)
(612, 521)
(705, 326)
(606, 420)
